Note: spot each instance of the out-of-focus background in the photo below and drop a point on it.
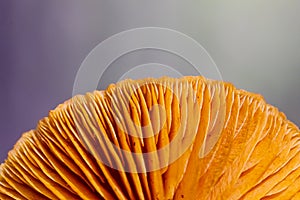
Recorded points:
(255, 44)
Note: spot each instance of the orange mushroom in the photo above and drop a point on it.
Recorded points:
(166, 138)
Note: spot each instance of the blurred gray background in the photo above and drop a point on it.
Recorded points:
(256, 45)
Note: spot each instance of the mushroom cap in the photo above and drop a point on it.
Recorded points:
(166, 138)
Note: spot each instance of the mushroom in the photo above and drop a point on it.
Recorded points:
(166, 138)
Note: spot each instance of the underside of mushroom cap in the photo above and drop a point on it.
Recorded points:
(166, 138)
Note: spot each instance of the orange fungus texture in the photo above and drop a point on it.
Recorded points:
(166, 138)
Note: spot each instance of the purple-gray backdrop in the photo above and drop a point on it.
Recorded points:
(256, 45)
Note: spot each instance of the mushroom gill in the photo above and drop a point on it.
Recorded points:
(166, 138)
